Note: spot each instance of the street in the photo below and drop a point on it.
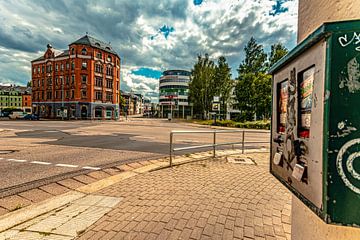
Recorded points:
(37, 150)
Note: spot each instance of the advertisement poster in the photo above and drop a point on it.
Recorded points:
(306, 89)
(283, 92)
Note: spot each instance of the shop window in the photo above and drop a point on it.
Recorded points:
(306, 86)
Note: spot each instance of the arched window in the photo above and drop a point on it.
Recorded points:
(109, 58)
(72, 51)
(83, 51)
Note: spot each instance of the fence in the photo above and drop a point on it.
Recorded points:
(214, 144)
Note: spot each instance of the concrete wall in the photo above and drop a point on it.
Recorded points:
(313, 13)
(306, 225)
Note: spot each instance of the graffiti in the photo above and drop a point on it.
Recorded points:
(290, 120)
(349, 161)
(344, 130)
(350, 76)
(346, 41)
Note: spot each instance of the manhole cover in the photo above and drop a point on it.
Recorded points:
(241, 160)
(6, 151)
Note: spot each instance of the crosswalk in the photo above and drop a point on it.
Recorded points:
(64, 165)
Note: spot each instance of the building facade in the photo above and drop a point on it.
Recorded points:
(81, 82)
(173, 94)
(15, 97)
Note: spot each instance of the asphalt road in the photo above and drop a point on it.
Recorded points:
(33, 150)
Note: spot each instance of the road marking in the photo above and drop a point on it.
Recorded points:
(66, 165)
(16, 160)
(41, 163)
(91, 168)
(1, 158)
(51, 131)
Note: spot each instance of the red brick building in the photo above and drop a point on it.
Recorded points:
(26, 103)
(81, 82)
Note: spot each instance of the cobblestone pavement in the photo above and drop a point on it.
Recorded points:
(211, 199)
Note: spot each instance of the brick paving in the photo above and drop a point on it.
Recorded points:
(210, 199)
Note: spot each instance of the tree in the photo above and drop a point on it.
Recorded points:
(222, 82)
(255, 58)
(201, 89)
(277, 52)
(28, 84)
(250, 83)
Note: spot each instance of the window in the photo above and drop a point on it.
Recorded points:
(42, 82)
(72, 65)
(67, 66)
(109, 58)
(83, 93)
(39, 82)
(34, 70)
(98, 95)
(99, 55)
(109, 71)
(282, 105)
(306, 85)
(62, 67)
(109, 96)
(38, 70)
(67, 80)
(98, 82)
(56, 67)
(109, 83)
(98, 68)
(84, 65)
(72, 79)
(72, 51)
(42, 69)
(83, 79)
(48, 95)
(72, 94)
(56, 81)
(49, 81)
(83, 51)
(61, 80)
(67, 94)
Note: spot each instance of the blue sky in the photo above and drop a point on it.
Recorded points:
(149, 35)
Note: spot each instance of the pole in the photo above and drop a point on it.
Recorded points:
(214, 144)
(62, 99)
(171, 148)
(243, 142)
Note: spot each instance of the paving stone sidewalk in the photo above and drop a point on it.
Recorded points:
(210, 199)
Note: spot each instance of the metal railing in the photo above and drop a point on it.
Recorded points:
(214, 144)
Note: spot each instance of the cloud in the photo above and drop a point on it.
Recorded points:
(181, 29)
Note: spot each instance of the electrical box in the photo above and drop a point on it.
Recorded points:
(315, 142)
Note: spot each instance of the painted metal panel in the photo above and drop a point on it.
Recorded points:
(343, 179)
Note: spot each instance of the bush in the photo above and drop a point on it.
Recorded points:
(230, 123)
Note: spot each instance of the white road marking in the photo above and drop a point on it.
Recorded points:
(41, 163)
(51, 131)
(91, 168)
(17, 160)
(1, 158)
(66, 165)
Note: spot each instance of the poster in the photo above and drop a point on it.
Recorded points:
(283, 94)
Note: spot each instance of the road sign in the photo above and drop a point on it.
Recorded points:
(216, 106)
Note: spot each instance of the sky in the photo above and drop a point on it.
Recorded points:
(150, 36)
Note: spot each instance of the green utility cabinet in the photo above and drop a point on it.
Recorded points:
(315, 142)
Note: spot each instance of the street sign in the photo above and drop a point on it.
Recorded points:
(216, 106)
(216, 99)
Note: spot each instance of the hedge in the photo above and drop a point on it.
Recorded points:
(230, 123)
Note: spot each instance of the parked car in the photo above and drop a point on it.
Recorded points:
(16, 115)
(31, 117)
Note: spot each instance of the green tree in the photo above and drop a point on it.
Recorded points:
(250, 84)
(28, 84)
(277, 52)
(222, 82)
(201, 91)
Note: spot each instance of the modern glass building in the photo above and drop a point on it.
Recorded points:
(173, 94)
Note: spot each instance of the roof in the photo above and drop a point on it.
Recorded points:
(93, 42)
(324, 31)
(57, 53)
(20, 89)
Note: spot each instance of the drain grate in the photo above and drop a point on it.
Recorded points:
(241, 160)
